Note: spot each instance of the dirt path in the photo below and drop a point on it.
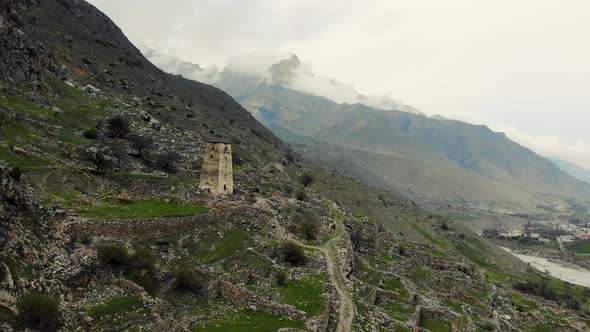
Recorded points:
(329, 250)
(561, 245)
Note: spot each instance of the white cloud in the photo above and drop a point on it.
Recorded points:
(551, 146)
(521, 63)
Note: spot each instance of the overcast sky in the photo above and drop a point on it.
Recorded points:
(522, 66)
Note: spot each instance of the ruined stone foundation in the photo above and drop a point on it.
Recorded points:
(217, 171)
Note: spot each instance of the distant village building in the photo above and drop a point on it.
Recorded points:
(217, 172)
(511, 234)
(568, 238)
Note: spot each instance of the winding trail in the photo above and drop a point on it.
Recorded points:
(561, 245)
(329, 250)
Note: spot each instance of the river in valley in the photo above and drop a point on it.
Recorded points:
(571, 274)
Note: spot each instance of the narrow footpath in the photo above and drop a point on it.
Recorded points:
(330, 251)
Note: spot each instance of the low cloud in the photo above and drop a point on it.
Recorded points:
(281, 68)
(305, 80)
(209, 74)
(551, 146)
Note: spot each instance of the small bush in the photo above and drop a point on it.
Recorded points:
(237, 160)
(101, 157)
(281, 278)
(118, 126)
(91, 133)
(4, 118)
(290, 156)
(306, 179)
(141, 143)
(301, 195)
(142, 268)
(357, 237)
(289, 190)
(309, 228)
(115, 256)
(38, 311)
(572, 303)
(293, 254)
(401, 251)
(186, 280)
(167, 161)
(539, 288)
(139, 266)
(85, 239)
(142, 259)
(15, 173)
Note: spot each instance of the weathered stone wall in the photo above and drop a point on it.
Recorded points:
(247, 299)
(217, 171)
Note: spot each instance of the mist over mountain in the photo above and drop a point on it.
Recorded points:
(574, 170)
(285, 98)
(284, 70)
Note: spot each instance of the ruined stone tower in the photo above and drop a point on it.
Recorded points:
(217, 175)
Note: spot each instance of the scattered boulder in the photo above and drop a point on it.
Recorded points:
(6, 281)
(145, 116)
(92, 91)
(20, 151)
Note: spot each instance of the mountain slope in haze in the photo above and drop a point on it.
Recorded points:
(463, 150)
(572, 169)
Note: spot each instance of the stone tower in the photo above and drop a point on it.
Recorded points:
(217, 175)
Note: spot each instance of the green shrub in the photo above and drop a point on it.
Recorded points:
(167, 161)
(100, 156)
(142, 259)
(90, 133)
(281, 278)
(293, 254)
(118, 126)
(306, 179)
(290, 156)
(85, 239)
(115, 256)
(185, 280)
(289, 190)
(301, 195)
(38, 311)
(309, 228)
(139, 266)
(142, 268)
(15, 173)
(141, 143)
